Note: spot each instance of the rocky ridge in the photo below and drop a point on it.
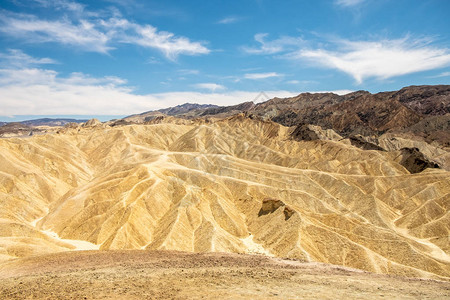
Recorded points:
(422, 112)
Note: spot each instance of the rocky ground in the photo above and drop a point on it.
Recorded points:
(138, 274)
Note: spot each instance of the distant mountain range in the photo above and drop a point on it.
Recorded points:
(28, 127)
(422, 111)
(47, 122)
(51, 122)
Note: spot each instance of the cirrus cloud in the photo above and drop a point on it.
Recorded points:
(18, 58)
(381, 59)
(209, 86)
(229, 20)
(281, 44)
(256, 76)
(96, 34)
(32, 29)
(348, 3)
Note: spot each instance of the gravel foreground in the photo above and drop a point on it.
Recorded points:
(143, 274)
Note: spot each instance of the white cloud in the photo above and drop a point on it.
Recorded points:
(189, 72)
(443, 74)
(39, 91)
(96, 34)
(24, 77)
(303, 82)
(380, 59)
(36, 91)
(229, 20)
(275, 46)
(30, 28)
(293, 82)
(62, 4)
(78, 78)
(17, 58)
(257, 76)
(153, 61)
(348, 3)
(337, 92)
(209, 86)
(166, 42)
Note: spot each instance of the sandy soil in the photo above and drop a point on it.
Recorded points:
(138, 274)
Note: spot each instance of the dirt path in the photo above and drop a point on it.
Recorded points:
(179, 275)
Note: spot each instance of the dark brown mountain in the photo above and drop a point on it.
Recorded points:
(185, 108)
(421, 111)
(434, 128)
(426, 100)
(228, 110)
(355, 113)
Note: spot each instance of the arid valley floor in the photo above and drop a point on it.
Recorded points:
(137, 274)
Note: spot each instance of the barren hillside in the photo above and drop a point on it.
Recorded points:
(237, 184)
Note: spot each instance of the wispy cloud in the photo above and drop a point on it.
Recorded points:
(78, 78)
(293, 82)
(209, 86)
(83, 35)
(153, 61)
(256, 76)
(62, 5)
(443, 74)
(188, 72)
(275, 46)
(17, 58)
(348, 3)
(40, 91)
(96, 34)
(303, 82)
(382, 59)
(379, 59)
(37, 91)
(229, 20)
(166, 42)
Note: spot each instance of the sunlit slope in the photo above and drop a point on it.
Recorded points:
(233, 185)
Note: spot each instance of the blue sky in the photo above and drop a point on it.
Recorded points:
(118, 57)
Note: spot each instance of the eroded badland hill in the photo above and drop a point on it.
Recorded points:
(239, 183)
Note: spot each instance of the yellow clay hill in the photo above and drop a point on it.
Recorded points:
(224, 185)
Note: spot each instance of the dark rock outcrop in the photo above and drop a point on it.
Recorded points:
(269, 206)
(360, 142)
(414, 160)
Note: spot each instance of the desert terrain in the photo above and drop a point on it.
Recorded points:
(138, 274)
(353, 205)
